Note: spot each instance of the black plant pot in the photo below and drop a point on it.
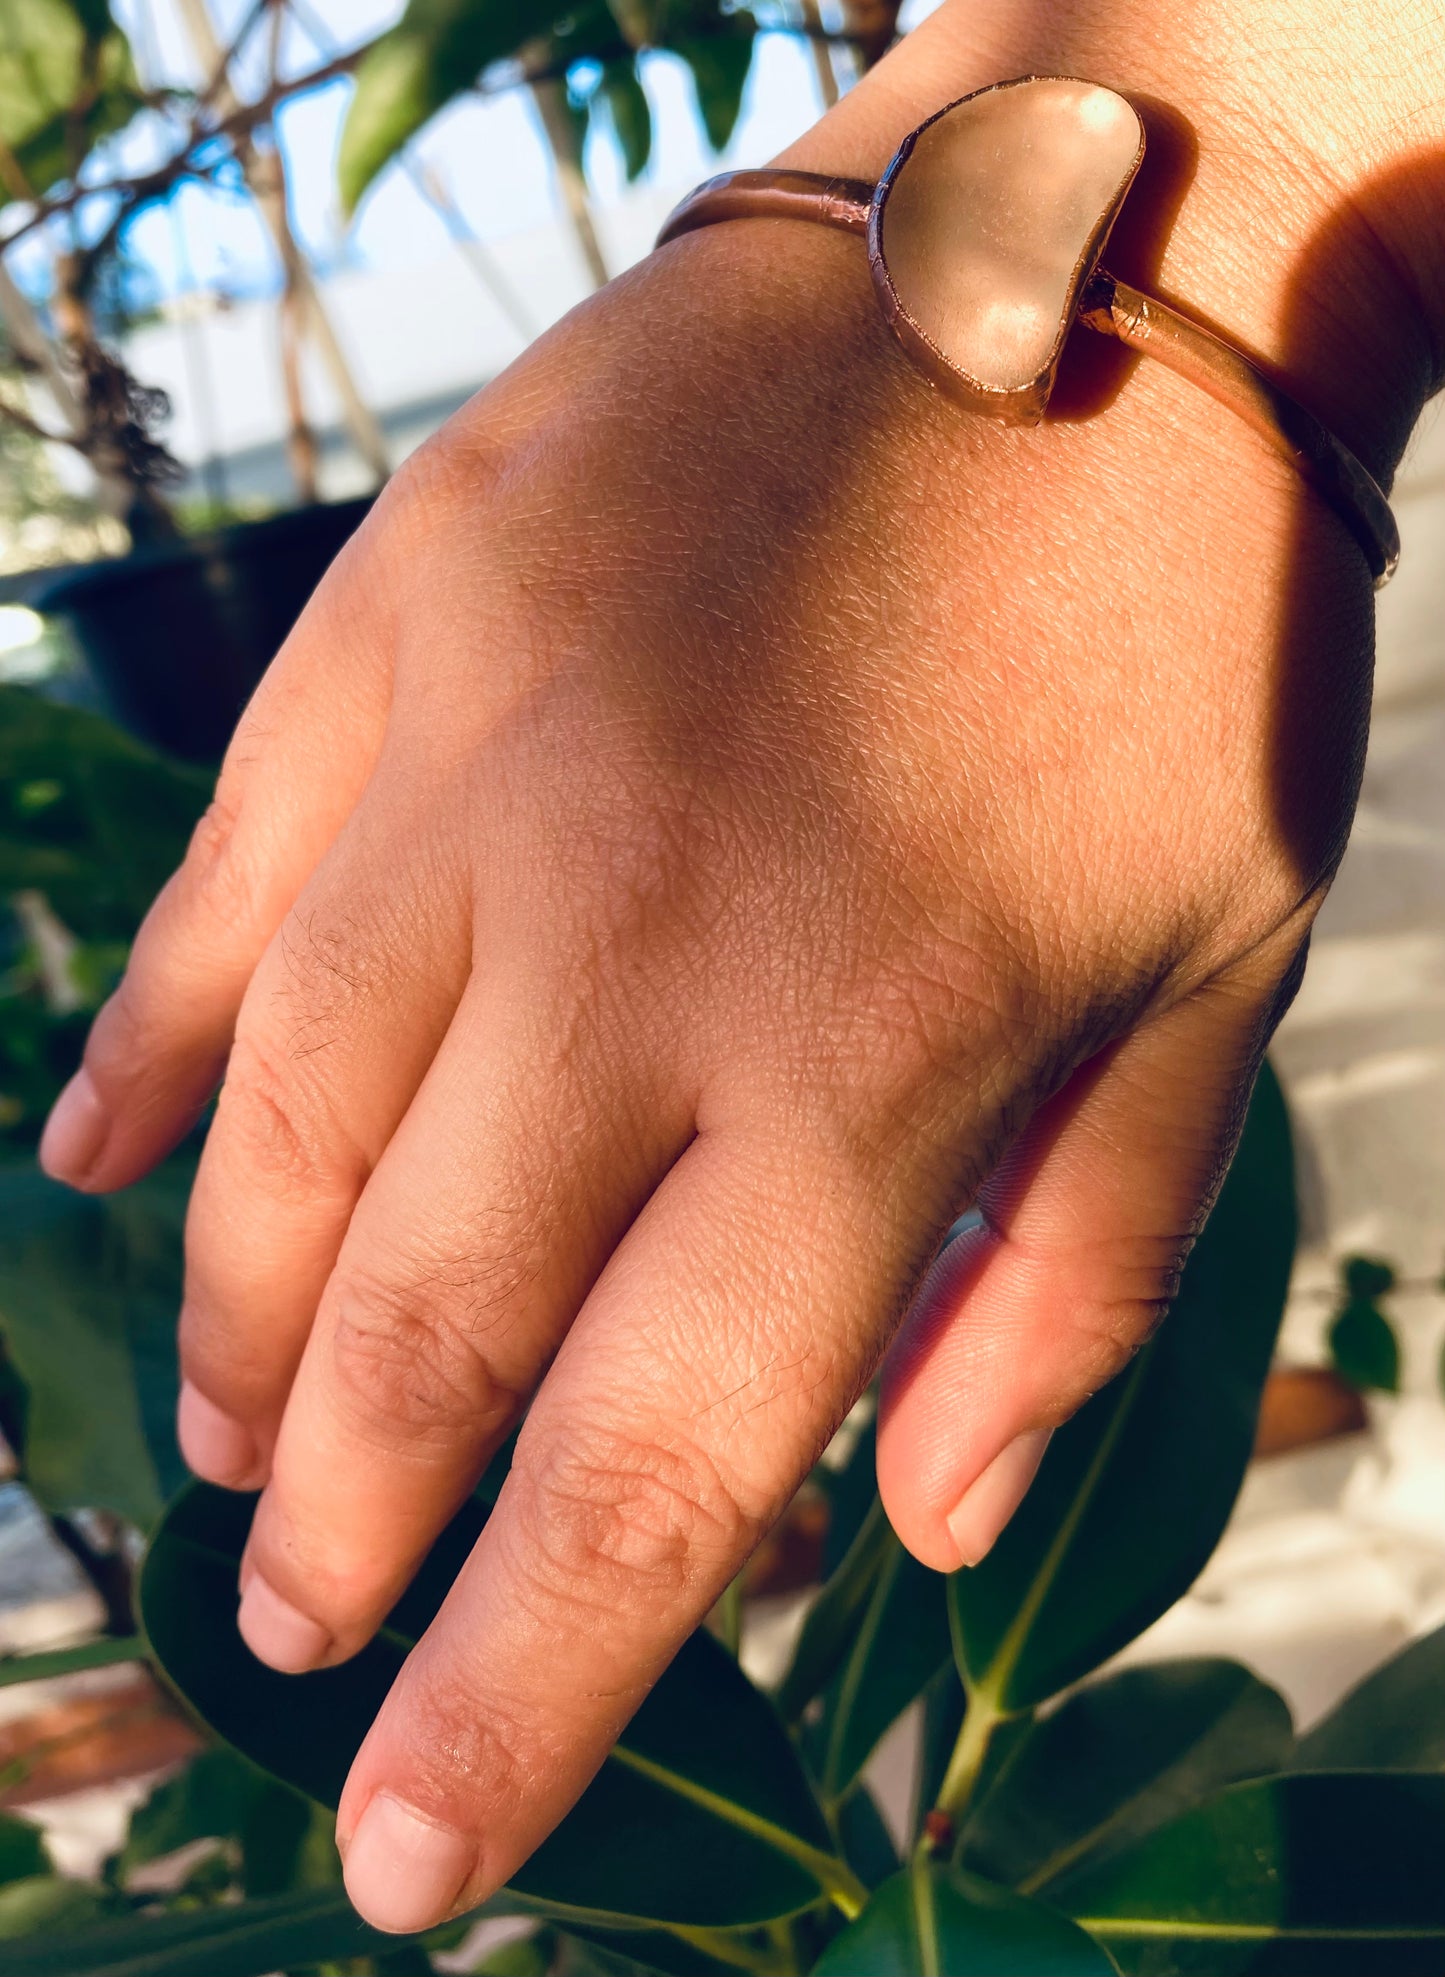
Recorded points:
(178, 634)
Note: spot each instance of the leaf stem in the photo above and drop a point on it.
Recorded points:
(44, 1667)
(768, 1960)
(980, 1720)
(925, 1916)
(834, 1876)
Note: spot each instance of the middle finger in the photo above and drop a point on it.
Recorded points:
(532, 1144)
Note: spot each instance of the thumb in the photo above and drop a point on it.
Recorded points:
(1084, 1230)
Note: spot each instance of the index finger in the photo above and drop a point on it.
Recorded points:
(711, 1363)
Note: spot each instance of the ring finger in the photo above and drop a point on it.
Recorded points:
(342, 1017)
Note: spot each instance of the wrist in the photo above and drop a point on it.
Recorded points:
(1296, 169)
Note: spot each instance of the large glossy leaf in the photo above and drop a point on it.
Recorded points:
(836, 1615)
(1393, 1720)
(934, 1922)
(1134, 1492)
(1330, 1874)
(436, 50)
(867, 1843)
(246, 1940)
(66, 79)
(702, 1815)
(898, 1646)
(89, 1292)
(88, 817)
(1119, 1759)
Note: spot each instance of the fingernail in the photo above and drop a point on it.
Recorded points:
(276, 1632)
(216, 1446)
(404, 1872)
(75, 1133)
(991, 1499)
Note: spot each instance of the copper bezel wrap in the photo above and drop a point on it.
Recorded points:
(1099, 301)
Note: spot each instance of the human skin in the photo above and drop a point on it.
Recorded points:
(727, 810)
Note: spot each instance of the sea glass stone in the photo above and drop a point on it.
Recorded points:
(989, 222)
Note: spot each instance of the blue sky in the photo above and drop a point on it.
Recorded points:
(488, 153)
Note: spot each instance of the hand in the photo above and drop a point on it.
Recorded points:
(725, 812)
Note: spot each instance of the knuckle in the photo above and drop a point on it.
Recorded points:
(1111, 1328)
(608, 1516)
(272, 1115)
(401, 1358)
(216, 880)
(125, 1036)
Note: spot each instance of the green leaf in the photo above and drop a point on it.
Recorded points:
(281, 1839)
(102, 848)
(692, 1953)
(46, 1667)
(22, 1849)
(89, 1291)
(1119, 1759)
(287, 1842)
(66, 80)
(207, 1800)
(851, 1491)
(705, 1770)
(1393, 1720)
(867, 1843)
(39, 1908)
(1330, 1874)
(1367, 1277)
(524, 1956)
(1363, 1347)
(717, 46)
(621, 90)
(436, 50)
(836, 1615)
(943, 1708)
(1133, 1493)
(900, 1642)
(935, 1922)
(248, 1939)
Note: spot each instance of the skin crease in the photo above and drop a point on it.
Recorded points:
(726, 808)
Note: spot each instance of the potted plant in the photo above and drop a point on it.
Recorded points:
(1067, 1819)
(179, 630)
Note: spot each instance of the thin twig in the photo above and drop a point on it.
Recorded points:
(142, 186)
(138, 188)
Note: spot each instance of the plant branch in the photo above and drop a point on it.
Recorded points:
(980, 1720)
(104, 1653)
(266, 179)
(184, 163)
(188, 162)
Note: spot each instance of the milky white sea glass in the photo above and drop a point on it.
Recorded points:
(988, 226)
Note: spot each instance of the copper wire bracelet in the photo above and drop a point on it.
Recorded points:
(984, 237)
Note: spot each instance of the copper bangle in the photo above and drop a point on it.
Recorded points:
(984, 237)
